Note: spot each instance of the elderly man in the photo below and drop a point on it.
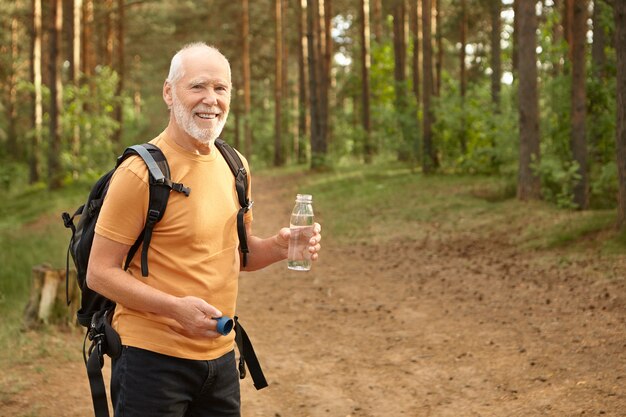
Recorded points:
(173, 361)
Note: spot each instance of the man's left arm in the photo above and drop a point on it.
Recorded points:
(264, 252)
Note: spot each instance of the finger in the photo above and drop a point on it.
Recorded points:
(315, 248)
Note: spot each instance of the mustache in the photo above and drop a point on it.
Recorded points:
(206, 109)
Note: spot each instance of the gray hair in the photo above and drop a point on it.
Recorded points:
(176, 66)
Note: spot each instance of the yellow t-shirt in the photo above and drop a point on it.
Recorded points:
(194, 248)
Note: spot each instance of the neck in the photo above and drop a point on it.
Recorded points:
(185, 141)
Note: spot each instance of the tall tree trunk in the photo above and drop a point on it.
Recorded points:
(439, 40)
(415, 69)
(318, 100)
(463, 76)
(55, 174)
(516, 35)
(328, 55)
(76, 14)
(368, 149)
(496, 65)
(579, 102)
(415, 37)
(35, 158)
(598, 71)
(399, 49)
(377, 19)
(619, 15)
(557, 35)
(303, 97)
(109, 33)
(568, 18)
(88, 63)
(12, 140)
(245, 60)
(323, 70)
(428, 152)
(528, 183)
(121, 73)
(312, 12)
(278, 85)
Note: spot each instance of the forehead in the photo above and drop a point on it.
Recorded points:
(203, 63)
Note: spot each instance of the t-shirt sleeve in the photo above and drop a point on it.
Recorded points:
(123, 212)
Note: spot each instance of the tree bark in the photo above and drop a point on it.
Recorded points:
(400, 87)
(76, 14)
(377, 20)
(47, 302)
(313, 74)
(121, 73)
(439, 40)
(496, 63)
(11, 108)
(578, 138)
(109, 33)
(323, 65)
(463, 76)
(317, 84)
(428, 154)
(278, 85)
(88, 62)
(35, 159)
(516, 35)
(528, 184)
(303, 96)
(619, 15)
(55, 174)
(368, 150)
(568, 18)
(415, 35)
(557, 36)
(245, 60)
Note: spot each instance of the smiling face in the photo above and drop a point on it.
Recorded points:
(199, 96)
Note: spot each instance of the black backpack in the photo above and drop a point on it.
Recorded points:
(96, 311)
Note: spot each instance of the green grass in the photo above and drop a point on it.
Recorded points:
(31, 233)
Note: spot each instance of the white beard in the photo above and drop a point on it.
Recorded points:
(185, 119)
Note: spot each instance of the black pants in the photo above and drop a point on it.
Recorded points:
(145, 384)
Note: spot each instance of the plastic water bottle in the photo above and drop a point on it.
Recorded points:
(301, 225)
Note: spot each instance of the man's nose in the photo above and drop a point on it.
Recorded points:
(210, 98)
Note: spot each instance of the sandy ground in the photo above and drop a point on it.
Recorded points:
(438, 326)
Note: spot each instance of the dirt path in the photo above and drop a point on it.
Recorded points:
(433, 327)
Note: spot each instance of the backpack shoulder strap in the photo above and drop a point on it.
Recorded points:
(160, 184)
(241, 185)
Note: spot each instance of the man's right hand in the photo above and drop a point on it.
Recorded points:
(195, 317)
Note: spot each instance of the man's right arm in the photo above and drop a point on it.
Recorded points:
(106, 276)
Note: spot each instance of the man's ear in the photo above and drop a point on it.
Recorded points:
(167, 94)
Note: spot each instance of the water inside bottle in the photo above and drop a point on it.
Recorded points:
(299, 257)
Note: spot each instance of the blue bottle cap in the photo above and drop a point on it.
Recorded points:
(224, 325)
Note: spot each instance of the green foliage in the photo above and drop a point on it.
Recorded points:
(490, 133)
(31, 233)
(558, 179)
(90, 109)
(604, 186)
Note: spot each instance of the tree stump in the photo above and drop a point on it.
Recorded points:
(47, 303)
